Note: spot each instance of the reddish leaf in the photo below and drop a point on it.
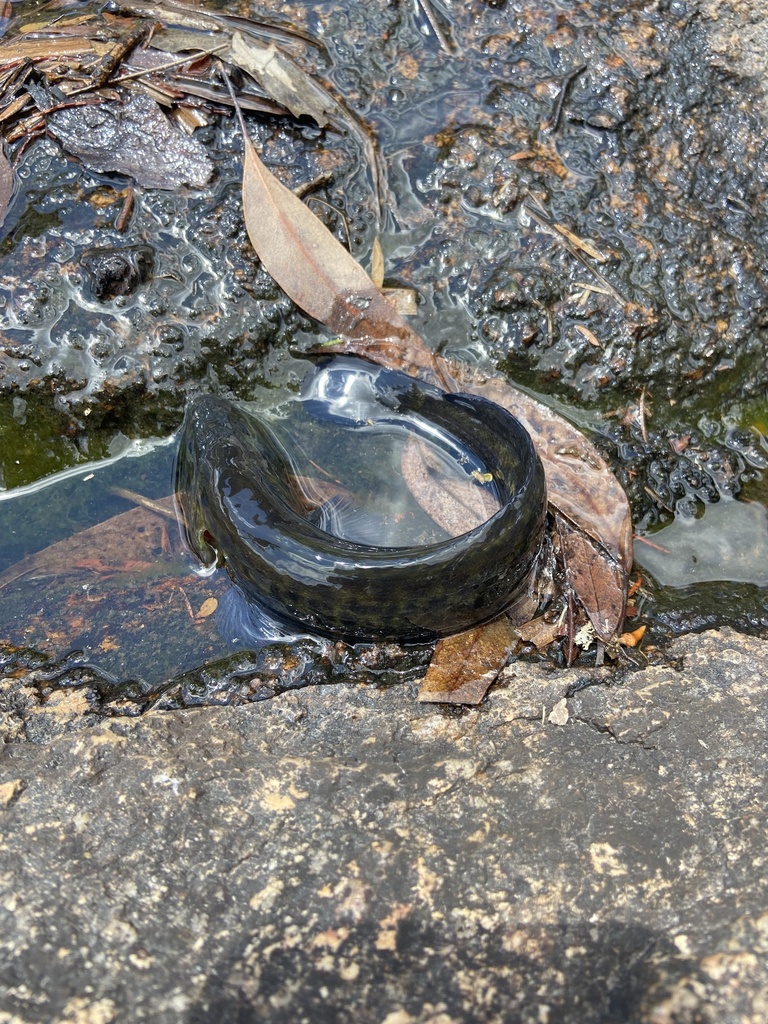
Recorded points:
(128, 542)
(597, 580)
(580, 483)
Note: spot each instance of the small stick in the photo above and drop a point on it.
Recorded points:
(574, 251)
(125, 213)
(642, 416)
(186, 602)
(434, 24)
(112, 60)
(659, 499)
(553, 122)
(650, 544)
(139, 499)
(177, 62)
(195, 55)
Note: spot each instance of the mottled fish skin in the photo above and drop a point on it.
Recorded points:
(240, 509)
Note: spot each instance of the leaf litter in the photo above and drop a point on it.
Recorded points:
(590, 519)
(92, 67)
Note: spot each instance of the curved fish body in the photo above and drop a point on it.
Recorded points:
(240, 509)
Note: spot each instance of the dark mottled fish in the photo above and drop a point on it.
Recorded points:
(241, 508)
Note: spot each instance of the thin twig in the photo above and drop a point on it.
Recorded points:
(139, 499)
(125, 212)
(657, 498)
(642, 416)
(113, 59)
(235, 104)
(195, 55)
(177, 62)
(656, 547)
(543, 222)
(434, 24)
(553, 122)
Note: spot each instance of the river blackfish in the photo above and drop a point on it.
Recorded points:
(240, 508)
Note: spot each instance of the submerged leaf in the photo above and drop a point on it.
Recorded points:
(119, 595)
(580, 483)
(137, 541)
(456, 506)
(133, 138)
(464, 666)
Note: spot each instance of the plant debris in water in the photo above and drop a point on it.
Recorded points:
(569, 195)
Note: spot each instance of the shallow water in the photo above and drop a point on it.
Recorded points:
(89, 596)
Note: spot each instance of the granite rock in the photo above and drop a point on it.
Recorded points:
(343, 853)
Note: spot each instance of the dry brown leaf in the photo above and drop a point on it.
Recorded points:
(281, 78)
(588, 335)
(316, 271)
(309, 264)
(540, 631)
(597, 580)
(464, 666)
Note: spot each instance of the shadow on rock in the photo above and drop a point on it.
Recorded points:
(409, 970)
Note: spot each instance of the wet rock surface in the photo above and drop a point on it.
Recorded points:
(626, 124)
(738, 34)
(584, 847)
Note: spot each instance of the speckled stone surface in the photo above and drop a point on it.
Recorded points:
(738, 35)
(583, 847)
